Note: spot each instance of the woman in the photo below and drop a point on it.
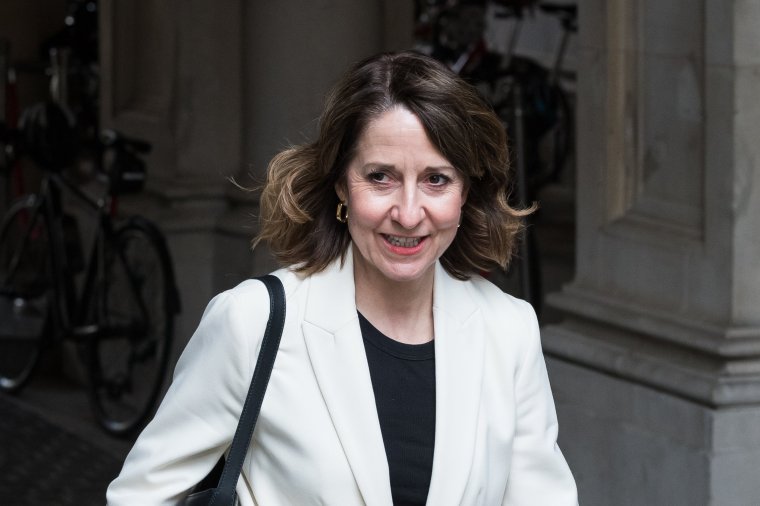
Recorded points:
(402, 377)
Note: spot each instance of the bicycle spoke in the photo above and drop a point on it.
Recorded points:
(128, 358)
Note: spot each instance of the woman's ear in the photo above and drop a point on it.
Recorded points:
(340, 189)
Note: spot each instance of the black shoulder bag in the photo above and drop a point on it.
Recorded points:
(225, 474)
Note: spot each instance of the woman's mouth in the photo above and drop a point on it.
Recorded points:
(402, 242)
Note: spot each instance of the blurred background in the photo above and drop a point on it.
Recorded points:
(634, 125)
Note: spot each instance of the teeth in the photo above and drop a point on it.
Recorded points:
(404, 242)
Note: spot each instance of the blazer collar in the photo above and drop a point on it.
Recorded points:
(336, 351)
(459, 355)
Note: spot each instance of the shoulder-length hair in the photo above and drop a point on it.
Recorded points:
(298, 201)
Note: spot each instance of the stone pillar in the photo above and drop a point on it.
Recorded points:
(294, 52)
(171, 74)
(656, 369)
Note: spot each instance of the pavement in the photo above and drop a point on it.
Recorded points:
(44, 463)
(53, 452)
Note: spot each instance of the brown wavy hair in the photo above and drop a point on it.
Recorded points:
(298, 200)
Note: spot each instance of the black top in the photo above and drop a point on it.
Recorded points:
(403, 379)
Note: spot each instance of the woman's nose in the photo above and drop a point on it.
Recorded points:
(408, 211)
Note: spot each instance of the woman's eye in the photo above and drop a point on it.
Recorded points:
(438, 179)
(378, 177)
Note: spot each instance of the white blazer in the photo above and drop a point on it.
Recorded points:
(318, 439)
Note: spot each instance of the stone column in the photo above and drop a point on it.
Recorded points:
(171, 74)
(294, 52)
(656, 369)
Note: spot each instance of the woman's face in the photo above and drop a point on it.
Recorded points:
(404, 200)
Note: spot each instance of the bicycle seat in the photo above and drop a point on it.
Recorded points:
(116, 140)
(122, 164)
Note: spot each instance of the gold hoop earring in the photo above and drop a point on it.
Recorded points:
(341, 213)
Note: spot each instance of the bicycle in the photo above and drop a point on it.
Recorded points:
(123, 313)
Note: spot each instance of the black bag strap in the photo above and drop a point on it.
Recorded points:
(225, 491)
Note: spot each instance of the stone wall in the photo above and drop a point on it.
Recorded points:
(657, 365)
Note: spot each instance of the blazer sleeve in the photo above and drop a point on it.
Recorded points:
(198, 416)
(539, 473)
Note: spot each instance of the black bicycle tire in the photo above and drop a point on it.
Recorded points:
(125, 427)
(16, 296)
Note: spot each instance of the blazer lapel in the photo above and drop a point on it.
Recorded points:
(459, 356)
(336, 351)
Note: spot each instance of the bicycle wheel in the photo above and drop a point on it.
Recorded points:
(133, 310)
(25, 284)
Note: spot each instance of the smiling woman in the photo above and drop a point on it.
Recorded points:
(405, 200)
(403, 377)
(298, 201)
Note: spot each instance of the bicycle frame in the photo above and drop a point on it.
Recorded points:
(70, 310)
(96, 277)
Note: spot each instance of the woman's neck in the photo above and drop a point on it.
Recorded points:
(402, 311)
